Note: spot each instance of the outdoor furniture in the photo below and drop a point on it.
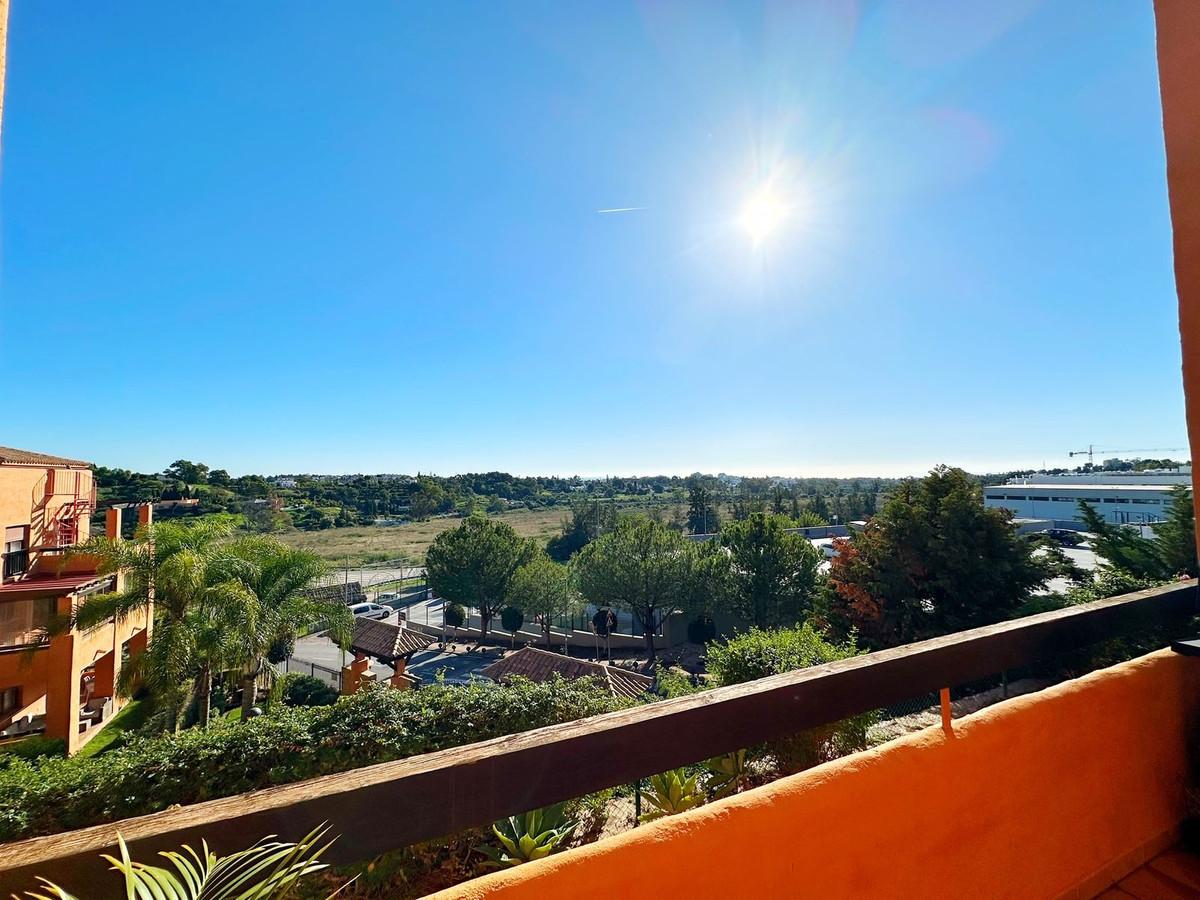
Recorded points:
(94, 711)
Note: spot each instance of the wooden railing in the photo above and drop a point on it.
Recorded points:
(390, 805)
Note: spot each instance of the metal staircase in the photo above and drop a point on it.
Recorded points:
(66, 528)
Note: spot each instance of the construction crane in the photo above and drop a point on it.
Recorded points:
(1091, 451)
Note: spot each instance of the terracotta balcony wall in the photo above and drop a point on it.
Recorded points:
(1054, 794)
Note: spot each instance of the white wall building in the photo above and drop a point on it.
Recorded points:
(1128, 501)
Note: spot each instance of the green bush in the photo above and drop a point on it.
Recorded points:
(305, 690)
(701, 630)
(759, 653)
(48, 795)
(35, 746)
(528, 836)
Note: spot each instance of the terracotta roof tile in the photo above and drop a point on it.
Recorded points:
(385, 641)
(540, 665)
(13, 457)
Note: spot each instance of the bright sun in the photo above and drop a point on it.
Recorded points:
(762, 214)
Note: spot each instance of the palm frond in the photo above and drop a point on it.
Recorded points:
(269, 869)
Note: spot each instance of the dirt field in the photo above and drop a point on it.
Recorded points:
(409, 542)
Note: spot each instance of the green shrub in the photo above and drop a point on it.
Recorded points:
(701, 630)
(759, 653)
(34, 746)
(269, 869)
(727, 774)
(305, 690)
(675, 682)
(48, 795)
(672, 792)
(528, 836)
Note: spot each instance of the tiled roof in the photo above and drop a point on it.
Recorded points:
(385, 641)
(539, 665)
(13, 457)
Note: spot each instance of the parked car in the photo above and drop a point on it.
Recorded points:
(1064, 536)
(1061, 536)
(370, 610)
(387, 598)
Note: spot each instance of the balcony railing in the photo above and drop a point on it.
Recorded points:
(441, 793)
(15, 563)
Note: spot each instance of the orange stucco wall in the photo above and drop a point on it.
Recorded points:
(1178, 26)
(29, 670)
(24, 501)
(50, 677)
(1050, 794)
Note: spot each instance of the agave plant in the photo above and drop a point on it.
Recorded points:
(671, 793)
(529, 836)
(266, 871)
(726, 774)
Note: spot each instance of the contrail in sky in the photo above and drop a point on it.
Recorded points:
(621, 209)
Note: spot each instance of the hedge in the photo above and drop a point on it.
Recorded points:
(757, 654)
(48, 795)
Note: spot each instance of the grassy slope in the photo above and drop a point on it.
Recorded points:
(132, 717)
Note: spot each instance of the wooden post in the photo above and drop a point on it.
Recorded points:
(946, 710)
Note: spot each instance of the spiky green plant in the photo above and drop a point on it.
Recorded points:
(266, 871)
(726, 774)
(529, 836)
(671, 793)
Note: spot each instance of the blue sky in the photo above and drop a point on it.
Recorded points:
(286, 237)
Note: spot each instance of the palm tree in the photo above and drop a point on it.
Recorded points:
(170, 567)
(274, 577)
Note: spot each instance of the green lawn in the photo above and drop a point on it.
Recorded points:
(131, 718)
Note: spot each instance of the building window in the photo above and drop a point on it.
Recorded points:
(10, 701)
(24, 622)
(16, 553)
(1015, 497)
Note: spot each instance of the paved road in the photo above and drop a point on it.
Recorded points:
(1084, 557)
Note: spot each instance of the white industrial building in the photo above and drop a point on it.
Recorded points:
(1120, 498)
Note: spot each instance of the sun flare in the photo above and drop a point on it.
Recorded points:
(762, 214)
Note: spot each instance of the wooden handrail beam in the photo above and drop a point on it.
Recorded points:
(382, 807)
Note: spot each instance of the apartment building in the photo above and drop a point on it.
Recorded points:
(61, 685)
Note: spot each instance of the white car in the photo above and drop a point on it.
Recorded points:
(825, 546)
(370, 610)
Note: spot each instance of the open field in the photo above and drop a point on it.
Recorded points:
(409, 542)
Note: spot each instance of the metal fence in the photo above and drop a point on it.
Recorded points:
(331, 677)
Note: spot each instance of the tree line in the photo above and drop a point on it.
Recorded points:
(932, 560)
(313, 502)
